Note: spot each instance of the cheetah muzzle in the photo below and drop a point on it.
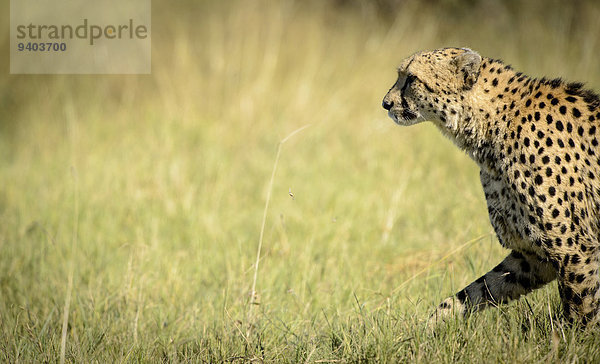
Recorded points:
(536, 143)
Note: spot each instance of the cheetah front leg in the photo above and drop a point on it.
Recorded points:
(579, 286)
(518, 274)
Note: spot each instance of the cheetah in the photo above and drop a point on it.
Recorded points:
(536, 144)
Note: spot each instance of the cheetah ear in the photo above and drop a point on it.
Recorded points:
(467, 64)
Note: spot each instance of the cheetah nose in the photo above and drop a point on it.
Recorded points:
(387, 105)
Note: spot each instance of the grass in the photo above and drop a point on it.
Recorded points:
(131, 207)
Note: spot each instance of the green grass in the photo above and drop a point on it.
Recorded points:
(147, 193)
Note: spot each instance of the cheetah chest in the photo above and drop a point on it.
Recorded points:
(506, 214)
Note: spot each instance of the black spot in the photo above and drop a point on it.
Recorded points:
(576, 112)
(568, 293)
(528, 103)
(538, 180)
(542, 105)
(570, 99)
(559, 125)
(575, 259)
(567, 311)
(554, 101)
(563, 109)
(548, 142)
(539, 211)
(495, 82)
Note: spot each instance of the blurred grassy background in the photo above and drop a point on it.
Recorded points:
(148, 191)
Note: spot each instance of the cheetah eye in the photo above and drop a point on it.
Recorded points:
(410, 78)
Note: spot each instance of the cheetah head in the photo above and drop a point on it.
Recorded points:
(430, 85)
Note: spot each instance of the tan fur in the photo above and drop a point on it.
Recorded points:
(536, 143)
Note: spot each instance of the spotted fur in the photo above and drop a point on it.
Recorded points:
(536, 143)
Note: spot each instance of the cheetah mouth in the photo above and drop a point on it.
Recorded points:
(406, 117)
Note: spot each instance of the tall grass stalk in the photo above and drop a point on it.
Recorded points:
(253, 293)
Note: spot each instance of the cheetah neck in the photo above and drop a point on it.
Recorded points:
(481, 122)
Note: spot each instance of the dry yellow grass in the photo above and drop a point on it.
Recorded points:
(153, 189)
